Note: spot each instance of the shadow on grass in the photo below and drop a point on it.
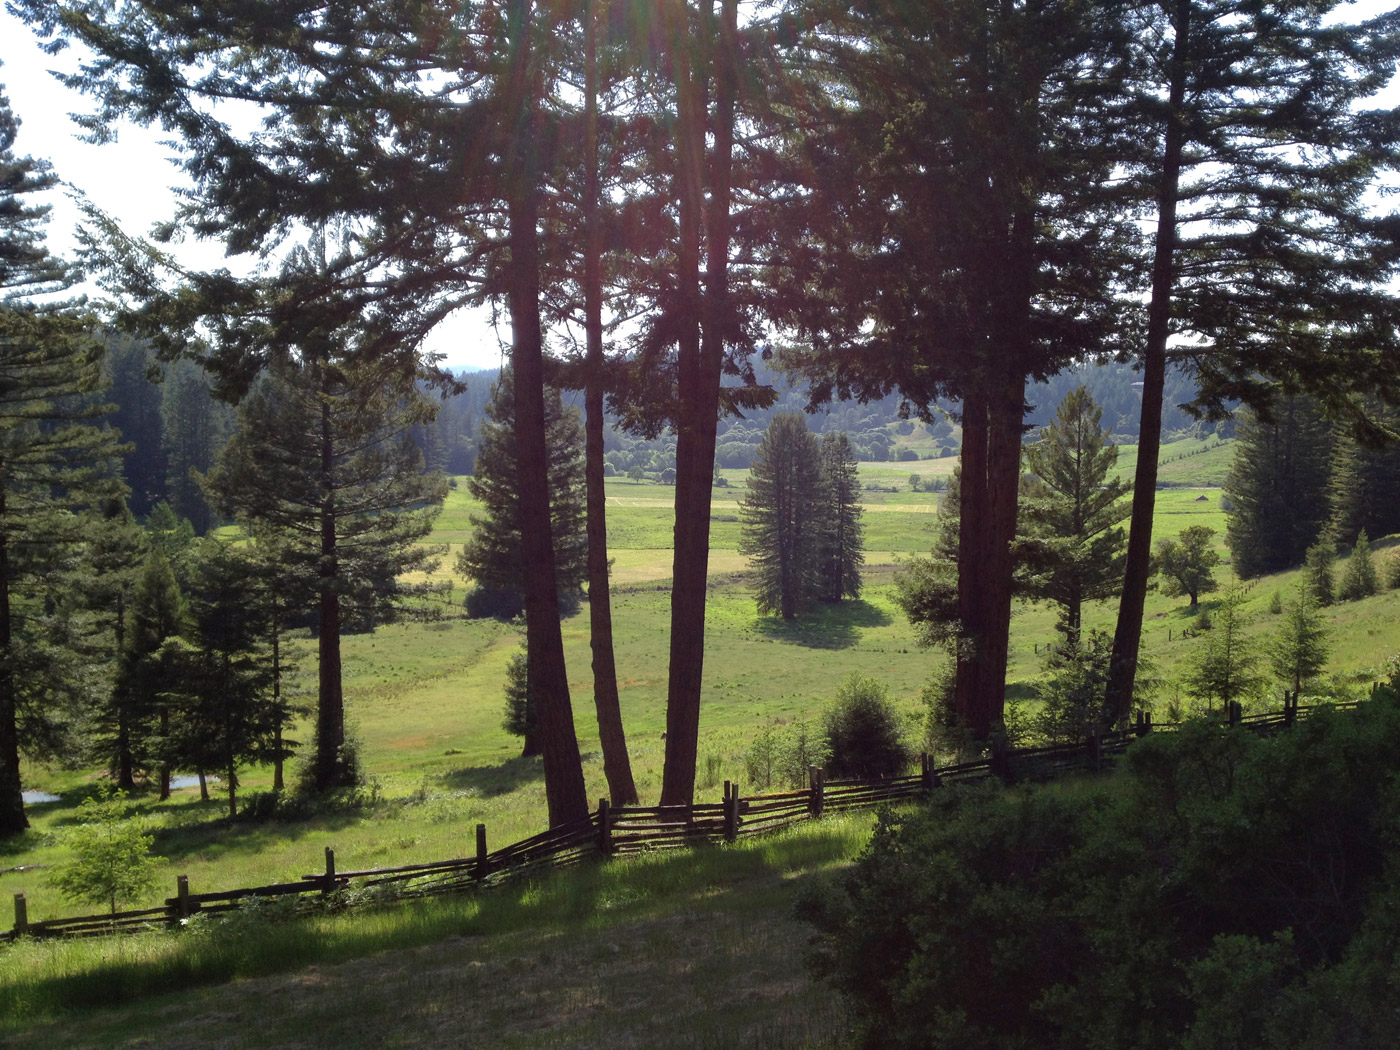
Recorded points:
(835, 626)
(496, 780)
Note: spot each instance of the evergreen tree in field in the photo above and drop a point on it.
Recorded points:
(195, 428)
(139, 709)
(492, 557)
(843, 550)
(1300, 646)
(1076, 521)
(519, 717)
(1226, 667)
(114, 558)
(224, 710)
(53, 461)
(1365, 482)
(1321, 556)
(323, 462)
(136, 413)
(1359, 576)
(1187, 563)
(1277, 486)
(783, 515)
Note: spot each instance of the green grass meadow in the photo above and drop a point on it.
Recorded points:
(425, 703)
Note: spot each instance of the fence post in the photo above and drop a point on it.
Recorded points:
(1094, 747)
(182, 896)
(1234, 712)
(481, 861)
(21, 915)
(928, 776)
(1001, 761)
(328, 886)
(1290, 707)
(816, 778)
(605, 843)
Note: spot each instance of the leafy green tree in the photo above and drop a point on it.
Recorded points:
(1076, 521)
(1226, 667)
(112, 862)
(492, 557)
(322, 461)
(843, 548)
(1359, 576)
(1277, 486)
(783, 516)
(1300, 646)
(53, 461)
(1321, 557)
(1188, 563)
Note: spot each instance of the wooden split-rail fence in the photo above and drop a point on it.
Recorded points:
(618, 831)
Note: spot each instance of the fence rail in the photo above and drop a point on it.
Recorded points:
(625, 830)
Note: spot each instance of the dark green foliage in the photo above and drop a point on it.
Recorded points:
(1187, 563)
(863, 737)
(785, 518)
(1277, 487)
(1321, 557)
(1300, 646)
(1071, 697)
(54, 463)
(1359, 576)
(842, 550)
(1075, 519)
(1226, 664)
(1223, 891)
(520, 714)
(491, 557)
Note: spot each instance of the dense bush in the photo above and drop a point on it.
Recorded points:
(1221, 891)
(862, 733)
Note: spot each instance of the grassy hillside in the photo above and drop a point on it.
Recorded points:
(425, 699)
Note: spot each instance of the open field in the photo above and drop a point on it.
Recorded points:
(425, 699)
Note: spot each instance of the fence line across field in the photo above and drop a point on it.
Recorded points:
(613, 831)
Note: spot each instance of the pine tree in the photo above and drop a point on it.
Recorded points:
(492, 557)
(143, 683)
(1321, 556)
(1277, 487)
(1226, 664)
(1076, 521)
(843, 551)
(782, 517)
(323, 462)
(53, 460)
(1300, 647)
(1359, 576)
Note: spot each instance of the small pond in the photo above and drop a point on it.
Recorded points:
(34, 797)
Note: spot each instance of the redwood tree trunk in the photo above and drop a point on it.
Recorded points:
(973, 560)
(330, 701)
(700, 354)
(1127, 636)
(548, 680)
(617, 767)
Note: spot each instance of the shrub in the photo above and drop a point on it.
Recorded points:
(1224, 890)
(1072, 704)
(1359, 577)
(799, 750)
(862, 732)
(760, 760)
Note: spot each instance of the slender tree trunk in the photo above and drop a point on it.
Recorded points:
(203, 785)
(231, 770)
(1005, 412)
(700, 353)
(164, 769)
(548, 679)
(973, 557)
(617, 767)
(330, 703)
(12, 818)
(1127, 637)
(277, 758)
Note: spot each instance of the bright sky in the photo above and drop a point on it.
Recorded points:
(132, 178)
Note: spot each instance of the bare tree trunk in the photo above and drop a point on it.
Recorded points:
(617, 767)
(1127, 637)
(330, 704)
(548, 680)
